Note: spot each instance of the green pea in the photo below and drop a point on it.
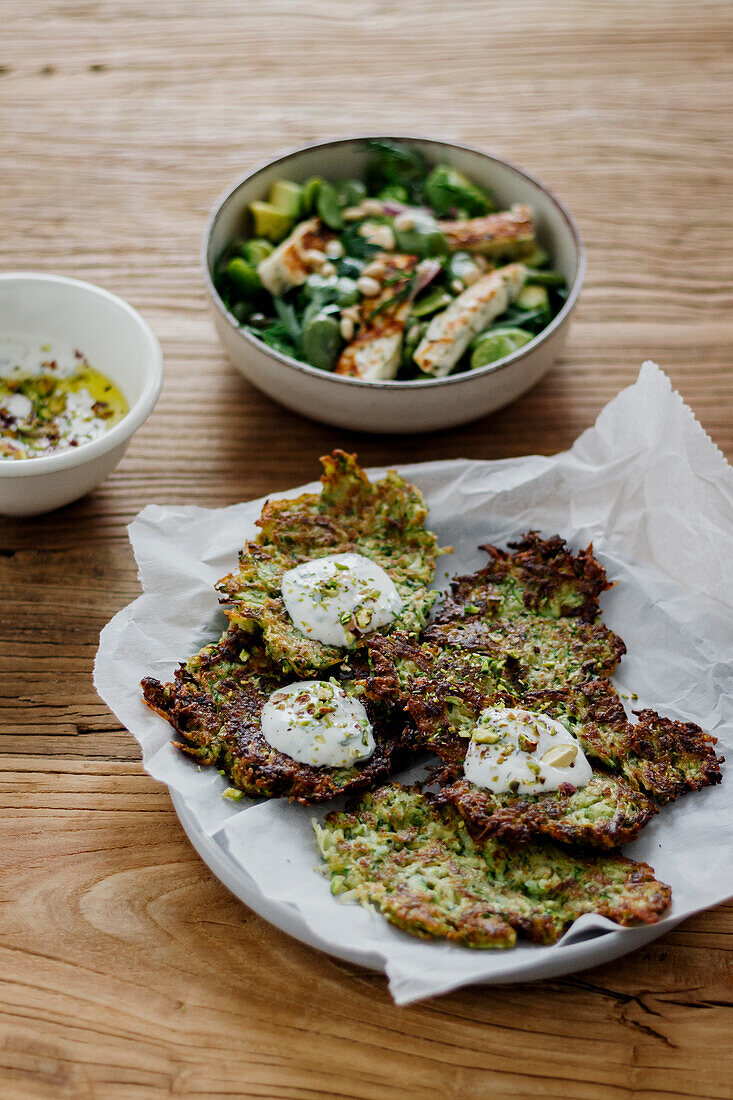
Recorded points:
(243, 276)
(329, 207)
(352, 192)
(256, 250)
(321, 341)
(347, 292)
(394, 192)
(496, 344)
(311, 187)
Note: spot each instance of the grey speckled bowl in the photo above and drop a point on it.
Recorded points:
(399, 407)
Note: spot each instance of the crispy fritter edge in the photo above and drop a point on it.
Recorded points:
(228, 736)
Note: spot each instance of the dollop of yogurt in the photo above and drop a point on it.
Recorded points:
(338, 598)
(523, 752)
(16, 405)
(317, 723)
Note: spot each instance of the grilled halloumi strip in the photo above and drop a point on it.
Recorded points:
(450, 332)
(509, 234)
(286, 267)
(374, 358)
(374, 354)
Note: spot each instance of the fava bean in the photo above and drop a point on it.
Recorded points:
(322, 341)
(329, 207)
(243, 276)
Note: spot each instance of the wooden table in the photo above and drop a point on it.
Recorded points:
(127, 970)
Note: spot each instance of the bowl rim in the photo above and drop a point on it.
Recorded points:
(136, 415)
(394, 384)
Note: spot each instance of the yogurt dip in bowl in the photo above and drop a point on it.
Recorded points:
(80, 371)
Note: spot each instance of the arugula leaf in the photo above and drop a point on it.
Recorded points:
(355, 246)
(288, 318)
(533, 319)
(277, 337)
(395, 162)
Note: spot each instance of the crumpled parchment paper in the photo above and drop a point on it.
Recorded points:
(648, 487)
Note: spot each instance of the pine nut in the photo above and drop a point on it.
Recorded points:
(347, 328)
(404, 222)
(367, 286)
(352, 214)
(471, 275)
(383, 237)
(457, 286)
(328, 269)
(375, 269)
(372, 206)
(334, 250)
(314, 258)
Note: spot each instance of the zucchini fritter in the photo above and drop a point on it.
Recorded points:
(383, 521)
(417, 862)
(524, 631)
(542, 577)
(215, 703)
(443, 692)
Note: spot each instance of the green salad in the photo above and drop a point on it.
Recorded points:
(409, 273)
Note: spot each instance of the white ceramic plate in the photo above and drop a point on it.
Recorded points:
(598, 946)
(677, 637)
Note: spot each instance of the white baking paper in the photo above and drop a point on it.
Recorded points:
(648, 487)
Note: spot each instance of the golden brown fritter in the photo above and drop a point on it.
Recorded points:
(215, 703)
(384, 521)
(418, 864)
(525, 631)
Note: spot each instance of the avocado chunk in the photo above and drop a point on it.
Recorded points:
(270, 222)
(287, 197)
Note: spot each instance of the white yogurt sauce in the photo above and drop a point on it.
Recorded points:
(51, 399)
(523, 752)
(338, 598)
(16, 405)
(21, 357)
(317, 723)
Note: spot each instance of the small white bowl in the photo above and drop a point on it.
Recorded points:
(399, 406)
(55, 310)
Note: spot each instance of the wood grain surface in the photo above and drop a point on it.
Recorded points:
(127, 970)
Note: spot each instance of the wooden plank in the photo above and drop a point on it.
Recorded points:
(126, 969)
